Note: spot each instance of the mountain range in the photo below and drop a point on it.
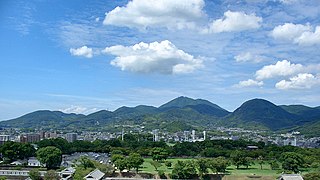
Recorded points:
(182, 113)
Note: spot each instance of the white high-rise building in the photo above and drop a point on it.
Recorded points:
(204, 135)
(193, 135)
(155, 135)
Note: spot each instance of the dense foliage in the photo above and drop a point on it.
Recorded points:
(13, 150)
(50, 156)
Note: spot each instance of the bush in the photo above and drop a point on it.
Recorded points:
(312, 176)
(168, 164)
(161, 174)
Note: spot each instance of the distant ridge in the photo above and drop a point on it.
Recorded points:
(180, 114)
(263, 113)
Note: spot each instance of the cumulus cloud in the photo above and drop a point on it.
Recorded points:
(234, 21)
(289, 31)
(249, 83)
(82, 51)
(301, 81)
(249, 57)
(78, 110)
(177, 14)
(297, 33)
(281, 68)
(160, 57)
(309, 38)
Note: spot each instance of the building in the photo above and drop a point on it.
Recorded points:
(186, 135)
(155, 135)
(4, 138)
(34, 162)
(290, 177)
(67, 173)
(30, 138)
(193, 135)
(94, 175)
(71, 137)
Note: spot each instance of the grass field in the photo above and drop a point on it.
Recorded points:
(232, 172)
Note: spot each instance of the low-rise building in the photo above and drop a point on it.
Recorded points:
(34, 162)
(94, 175)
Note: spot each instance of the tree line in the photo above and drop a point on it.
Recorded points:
(235, 152)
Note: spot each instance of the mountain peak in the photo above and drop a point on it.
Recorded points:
(183, 101)
(264, 113)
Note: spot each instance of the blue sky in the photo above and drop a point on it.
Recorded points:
(84, 56)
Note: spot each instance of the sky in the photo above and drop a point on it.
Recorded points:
(84, 56)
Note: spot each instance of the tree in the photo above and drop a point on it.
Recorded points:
(135, 160)
(51, 175)
(274, 165)
(218, 164)
(121, 164)
(34, 174)
(116, 157)
(260, 161)
(238, 158)
(86, 162)
(292, 161)
(155, 164)
(51, 156)
(13, 150)
(202, 167)
(168, 164)
(159, 154)
(248, 161)
(184, 170)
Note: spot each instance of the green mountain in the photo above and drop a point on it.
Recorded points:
(182, 101)
(261, 113)
(209, 110)
(307, 114)
(182, 113)
(135, 111)
(42, 118)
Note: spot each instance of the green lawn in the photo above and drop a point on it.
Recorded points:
(147, 167)
(232, 172)
(254, 169)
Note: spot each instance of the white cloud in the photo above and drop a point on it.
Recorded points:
(163, 57)
(281, 68)
(82, 51)
(249, 83)
(301, 81)
(309, 38)
(249, 57)
(289, 31)
(78, 110)
(177, 14)
(234, 21)
(297, 33)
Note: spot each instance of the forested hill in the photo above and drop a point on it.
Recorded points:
(182, 113)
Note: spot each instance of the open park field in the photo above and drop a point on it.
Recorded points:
(253, 172)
